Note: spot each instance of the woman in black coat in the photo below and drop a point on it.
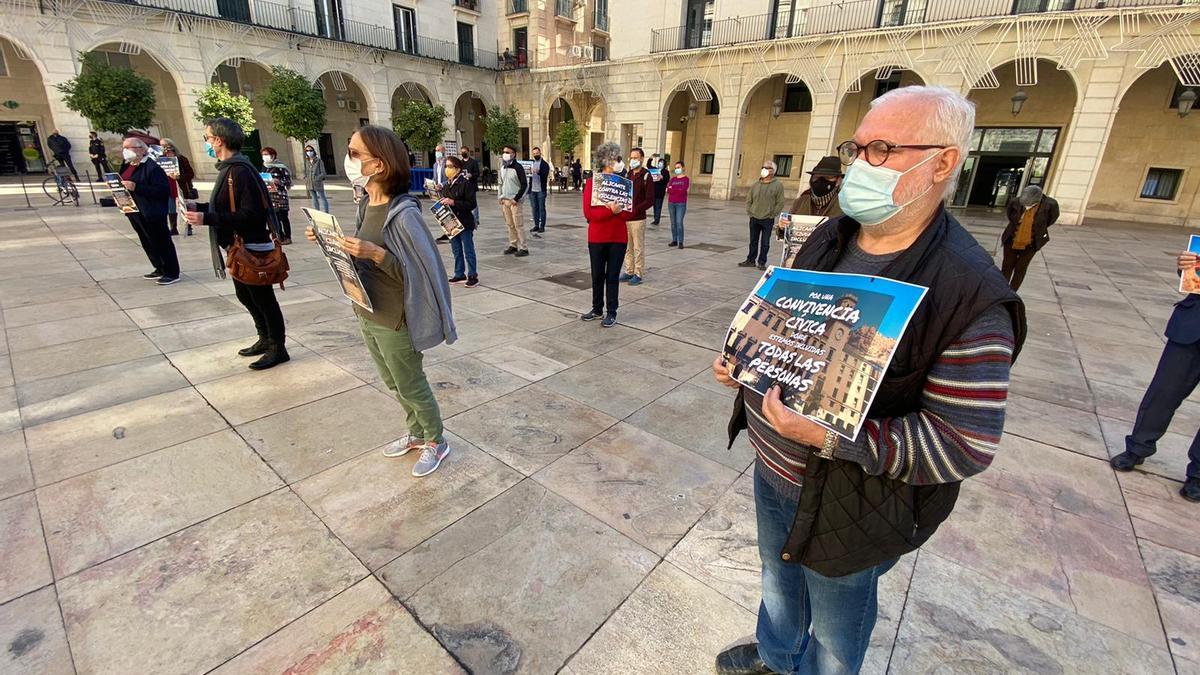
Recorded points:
(459, 194)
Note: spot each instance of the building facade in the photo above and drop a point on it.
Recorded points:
(1091, 99)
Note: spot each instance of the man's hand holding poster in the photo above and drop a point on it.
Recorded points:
(169, 165)
(826, 339)
(609, 187)
(120, 195)
(329, 237)
(1189, 280)
(450, 223)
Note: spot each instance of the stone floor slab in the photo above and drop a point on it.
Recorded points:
(28, 315)
(463, 383)
(178, 336)
(696, 418)
(521, 583)
(221, 359)
(15, 475)
(530, 428)
(376, 506)
(532, 363)
(958, 620)
(304, 440)
(98, 515)
(79, 444)
(650, 490)
(1175, 576)
(251, 395)
(604, 383)
(23, 563)
(185, 310)
(81, 392)
(31, 629)
(1061, 426)
(363, 629)
(1171, 459)
(670, 624)
(1158, 512)
(72, 357)
(52, 333)
(190, 601)
(664, 356)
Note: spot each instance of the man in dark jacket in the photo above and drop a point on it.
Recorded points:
(151, 191)
(96, 153)
(1029, 219)
(643, 199)
(1175, 379)
(577, 174)
(660, 179)
(60, 147)
(936, 419)
(539, 185)
(471, 169)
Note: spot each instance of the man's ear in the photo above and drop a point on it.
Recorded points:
(947, 161)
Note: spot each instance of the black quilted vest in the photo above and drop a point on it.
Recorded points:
(847, 520)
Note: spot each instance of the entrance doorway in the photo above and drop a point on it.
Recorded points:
(325, 147)
(20, 149)
(996, 180)
(1002, 161)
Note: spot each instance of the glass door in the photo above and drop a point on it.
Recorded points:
(405, 20)
(466, 43)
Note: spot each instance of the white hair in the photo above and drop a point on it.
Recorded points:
(951, 124)
(605, 154)
(136, 142)
(771, 165)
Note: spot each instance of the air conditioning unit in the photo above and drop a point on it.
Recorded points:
(576, 50)
(352, 105)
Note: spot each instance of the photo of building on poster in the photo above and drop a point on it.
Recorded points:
(826, 339)
(1189, 280)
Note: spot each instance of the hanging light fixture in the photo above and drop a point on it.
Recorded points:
(1018, 101)
(776, 107)
(1186, 100)
(692, 108)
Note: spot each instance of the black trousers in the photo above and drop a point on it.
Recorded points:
(264, 309)
(66, 159)
(156, 242)
(102, 167)
(760, 239)
(1015, 264)
(285, 225)
(607, 259)
(1177, 375)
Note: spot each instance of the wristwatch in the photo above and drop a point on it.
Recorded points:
(830, 444)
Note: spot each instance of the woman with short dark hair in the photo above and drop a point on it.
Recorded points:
(238, 205)
(314, 179)
(459, 194)
(406, 282)
(281, 182)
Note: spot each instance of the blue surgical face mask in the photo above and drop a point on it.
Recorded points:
(209, 149)
(868, 192)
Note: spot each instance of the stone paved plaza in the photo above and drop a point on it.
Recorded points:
(165, 510)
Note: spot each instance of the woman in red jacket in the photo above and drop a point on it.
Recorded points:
(608, 238)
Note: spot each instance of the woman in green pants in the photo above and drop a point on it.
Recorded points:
(406, 282)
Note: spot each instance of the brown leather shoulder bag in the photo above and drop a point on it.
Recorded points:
(252, 267)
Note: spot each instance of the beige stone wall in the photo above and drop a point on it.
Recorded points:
(855, 105)
(1146, 133)
(24, 85)
(764, 136)
(341, 122)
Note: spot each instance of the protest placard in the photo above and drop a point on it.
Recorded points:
(170, 165)
(794, 229)
(446, 218)
(826, 339)
(609, 187)
(329, 237)
(1189, 280)
(120, 195)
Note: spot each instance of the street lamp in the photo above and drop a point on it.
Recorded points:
(1186, 100)
(692, 108)
(1018, 101)
(776, 107)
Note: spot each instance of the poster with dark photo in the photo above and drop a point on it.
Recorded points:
(170, 165)
(446, 218)
(329, 237)
(120, 195)
(826, 339)
(609, 187)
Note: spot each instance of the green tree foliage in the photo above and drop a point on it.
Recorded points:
(500, 128)
(216, 100)
(113, 99)
(422, 125)
(297, 108)
(568, 137)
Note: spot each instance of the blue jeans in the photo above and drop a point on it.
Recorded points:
(537, 201)
(677, 209)
(319, 198)
(808, 623)
(760, 239)
(463, 247)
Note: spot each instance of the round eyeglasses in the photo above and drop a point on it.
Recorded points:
(876, 151)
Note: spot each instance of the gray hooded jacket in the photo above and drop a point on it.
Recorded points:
(427, 312)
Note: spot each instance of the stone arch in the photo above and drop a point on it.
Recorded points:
(28, 51)
(1185, 67)
(687, 136)
(409, 89)
(470, 109)
(853, 106)
(171, 119)
(251, 76)
(159, 55)
(769, 131)
(27, 82)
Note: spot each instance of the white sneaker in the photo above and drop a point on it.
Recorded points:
(401, 446)
(431, 458)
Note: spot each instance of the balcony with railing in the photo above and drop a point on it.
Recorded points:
(601, 21)
(565, 9)
(308, 23)
(862, 15)
(518, 6)
(472, 5)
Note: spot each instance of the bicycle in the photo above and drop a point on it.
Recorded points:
(60, 186)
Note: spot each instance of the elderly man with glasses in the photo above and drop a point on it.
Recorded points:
(835, 515)
(150, 188)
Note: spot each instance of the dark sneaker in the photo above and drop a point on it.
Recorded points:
(1125, 461)
(167, 281)
(746, 263)
(257, 349)
(624, 277)
(457, 279)
(679, 245)
(152, 275)
(1191, 490)
(443, 239)
(430, 459)
(742, 660)
(510, 250)
(533, 229)
(286, 241)
(609, 321)
(174, 232)
(672, 243)
(189, 230)
(472, 282)
(522, 253)
(590, 316)
(275, 355)
(762, 266)
(635, 280)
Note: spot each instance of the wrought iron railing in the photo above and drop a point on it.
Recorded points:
(518, 6)
(602, 21)
(565, 8)
(856, 15)
(472, 5)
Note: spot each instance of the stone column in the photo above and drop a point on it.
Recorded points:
(1072, 181)
(821, 127)
(729, 142)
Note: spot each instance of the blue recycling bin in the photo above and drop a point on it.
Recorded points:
(417, 179)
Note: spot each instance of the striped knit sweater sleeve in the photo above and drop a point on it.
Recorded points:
(957, 430)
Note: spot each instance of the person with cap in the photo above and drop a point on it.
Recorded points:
(820, 199)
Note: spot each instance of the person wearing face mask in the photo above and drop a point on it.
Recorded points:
(471, 168)
(661, 178)
(281, 182)
(834, 515)
(459, 195)
(314, 179)
(764, 203)
(150, 188)
(608, 239)
(511, 188)
(820, 199)
(677, 194)
(403, 274)
(643, 198)
(1030, 216)
(181, 185)
(539, 185)
(239, 206)
(97, 155)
